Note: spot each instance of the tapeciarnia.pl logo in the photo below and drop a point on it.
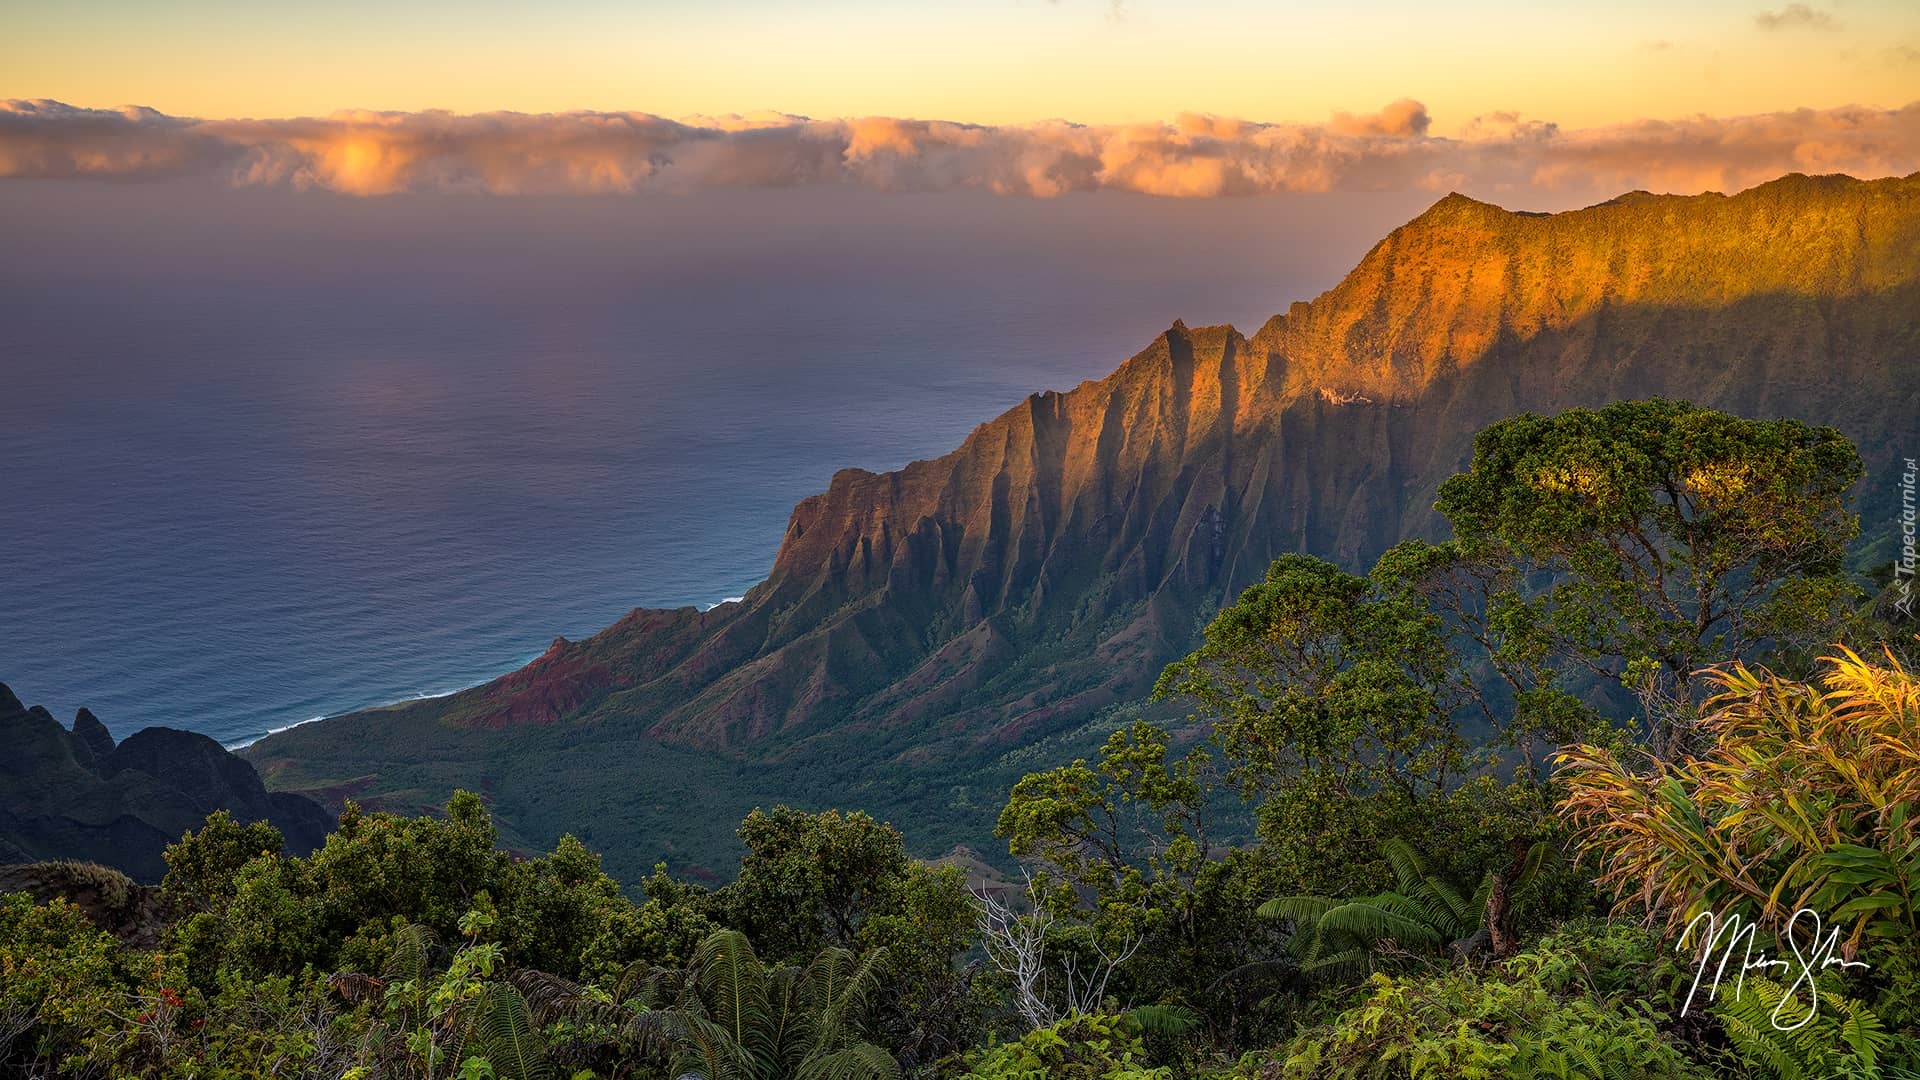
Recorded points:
(1904, 565)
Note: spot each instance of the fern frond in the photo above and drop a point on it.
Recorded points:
(733, 985)
(1452, 913)
(1304, 910)
(356, 986)
(1375, 920)
(861, 1061)
(1166, 1021)
(1542, 855)
(502, 1029)
(407, 955)
(1347, 965)
(549, 995)
(705, 1049)
(1409, 869)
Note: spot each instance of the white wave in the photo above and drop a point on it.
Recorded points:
(420, 695)
(244, 743)
(717, 603)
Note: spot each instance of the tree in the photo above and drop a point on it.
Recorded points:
(202, 868)
(1016, 943)
(59, 977)
(1125, 863)
(1669, 536)
(830, 880)
(1336, 702)
(1130, 832)
(262, 914)
(809, 881)
(1317, 679)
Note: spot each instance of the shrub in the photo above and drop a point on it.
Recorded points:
(1565, 1009)
(1805, 798)
(1080, 1047)
(59, 976)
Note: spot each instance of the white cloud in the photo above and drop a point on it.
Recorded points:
(376, 153)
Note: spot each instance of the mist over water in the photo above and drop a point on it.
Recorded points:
(267, 456)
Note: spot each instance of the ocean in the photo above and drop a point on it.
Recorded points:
(271, 456)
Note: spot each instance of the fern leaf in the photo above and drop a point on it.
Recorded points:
(407, 956)
(503, 1031)
(1166, 1021)
(1304, 910)
(861, 1061)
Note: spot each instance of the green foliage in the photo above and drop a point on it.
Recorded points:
(1676, 536)
(1424, 913)
(1782, 1036)
(58, 976)
(1131, 830)
(1125, 852)
(926, 1006)
(1124, 847)
(1338, 703)
(809, 881)
(257, 913)
(418, 1020)
(1547, 1013)
(1332, 700)
(729, 1016)
(662, 932)
(1079, 1047)
(203, 867)
(276, 1026)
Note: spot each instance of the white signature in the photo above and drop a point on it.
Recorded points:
(1732, 934)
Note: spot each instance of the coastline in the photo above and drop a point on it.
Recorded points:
(422, 696)
(244, 743)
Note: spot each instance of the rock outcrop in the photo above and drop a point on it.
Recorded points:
(75, 795)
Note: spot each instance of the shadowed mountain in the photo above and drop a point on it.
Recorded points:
(73, 794)
(922, 625)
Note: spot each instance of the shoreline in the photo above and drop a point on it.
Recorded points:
(242, 744)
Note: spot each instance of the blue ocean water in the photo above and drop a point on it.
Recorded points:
(265, 458)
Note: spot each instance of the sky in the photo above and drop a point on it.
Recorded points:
(1578, 65)
(1536, 105)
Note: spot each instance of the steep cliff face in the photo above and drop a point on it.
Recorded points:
(1067, 549)
(73, 794)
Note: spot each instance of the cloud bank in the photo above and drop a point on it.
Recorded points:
(380, 153)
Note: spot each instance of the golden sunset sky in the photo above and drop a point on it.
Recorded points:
(978, 61)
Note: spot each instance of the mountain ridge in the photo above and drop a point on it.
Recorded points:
(75, 794)
(1043, 570)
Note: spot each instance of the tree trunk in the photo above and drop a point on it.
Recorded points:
(1500, 902)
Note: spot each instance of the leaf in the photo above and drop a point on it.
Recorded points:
(503, 1030)
(1164, 1020)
